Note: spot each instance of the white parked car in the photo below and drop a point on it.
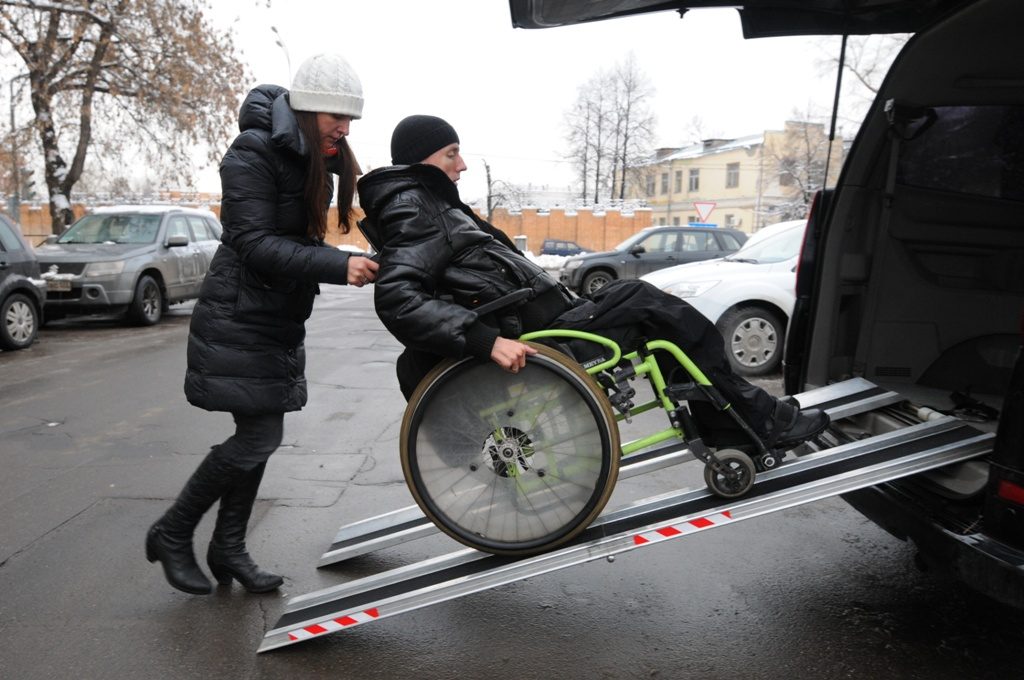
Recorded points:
(748, 295)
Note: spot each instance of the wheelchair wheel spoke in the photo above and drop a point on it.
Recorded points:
(510, 463)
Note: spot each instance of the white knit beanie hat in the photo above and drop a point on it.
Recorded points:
(326, 82)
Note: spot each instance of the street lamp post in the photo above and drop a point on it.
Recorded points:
(15, 208)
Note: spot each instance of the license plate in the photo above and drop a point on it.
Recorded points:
(59, 285)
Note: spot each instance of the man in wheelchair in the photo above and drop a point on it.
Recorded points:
(439, 262)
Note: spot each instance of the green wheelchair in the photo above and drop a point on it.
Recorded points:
(520, 463)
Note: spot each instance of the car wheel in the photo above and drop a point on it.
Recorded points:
(19, 322)
(754, 340)
(596, 280)
(148, 304)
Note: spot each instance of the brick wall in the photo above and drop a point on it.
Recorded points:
(596, 231)
(593, 230)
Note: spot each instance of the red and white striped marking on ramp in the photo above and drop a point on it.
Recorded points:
(332, 625)
(688, 527)
(653, 536)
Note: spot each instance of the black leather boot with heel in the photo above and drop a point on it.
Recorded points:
(169, 540)
(227, 556)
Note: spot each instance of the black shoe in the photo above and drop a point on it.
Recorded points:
(239, 566)
(792, 426)
(178, 561)
(170, 538)
(227, 556)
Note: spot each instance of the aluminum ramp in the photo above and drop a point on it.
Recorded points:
(383, 531)
(813, 477)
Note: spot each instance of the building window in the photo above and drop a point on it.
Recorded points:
(732, 175)
(661, 221)
(664, 182)
(730, 221)
(675, 221)
(679, 181)
(694, 180)
(786, 178)
(692, 219)
(650, 185)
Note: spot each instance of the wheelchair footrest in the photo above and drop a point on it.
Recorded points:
(690, 391)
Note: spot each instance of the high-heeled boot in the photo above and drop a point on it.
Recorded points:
(170, 538)
(227, 555)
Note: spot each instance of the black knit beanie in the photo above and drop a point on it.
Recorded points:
(417, 137)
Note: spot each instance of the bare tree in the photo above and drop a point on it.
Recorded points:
(610, 129)
(799, 156)
(151, 78)
(579, 124)
(501, 194)
(866, 62)
(634, 124)
(590, 124)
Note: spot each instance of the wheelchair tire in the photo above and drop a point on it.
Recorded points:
(740, 479)
(510, 464)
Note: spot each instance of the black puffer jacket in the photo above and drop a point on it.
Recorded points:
(245, 352)
(438, 261)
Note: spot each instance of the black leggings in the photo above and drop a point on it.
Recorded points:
(254, 440)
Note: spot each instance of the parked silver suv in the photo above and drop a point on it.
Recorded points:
(136, 260)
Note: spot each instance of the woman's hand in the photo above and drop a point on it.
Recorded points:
(361, 271)
(510, 354)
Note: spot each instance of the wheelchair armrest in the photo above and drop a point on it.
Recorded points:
(580, 335)
(509, 300)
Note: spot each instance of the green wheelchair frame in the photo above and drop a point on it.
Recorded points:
(517, 464)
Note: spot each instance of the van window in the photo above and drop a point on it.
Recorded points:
(8, 240)
(977, 150)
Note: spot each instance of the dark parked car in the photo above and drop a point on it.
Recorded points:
(910, 271)
(647, 251)
(21, 289)
(554, 246)
(130, 259)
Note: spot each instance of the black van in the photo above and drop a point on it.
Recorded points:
(22, 291)
(912, 271)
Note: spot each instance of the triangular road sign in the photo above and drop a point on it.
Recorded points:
(704, 209)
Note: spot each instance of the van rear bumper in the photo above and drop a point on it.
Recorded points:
(984, 564)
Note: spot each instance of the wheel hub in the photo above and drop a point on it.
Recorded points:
(509, 450)
(754, 342)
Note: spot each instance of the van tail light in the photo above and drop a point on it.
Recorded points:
(801, 322)
(1004, 498)
(1004, 505)
(812, 213)
(1010, 491)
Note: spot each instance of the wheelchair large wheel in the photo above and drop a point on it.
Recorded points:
(511, 464)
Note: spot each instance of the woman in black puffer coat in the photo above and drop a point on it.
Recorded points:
(245, 351)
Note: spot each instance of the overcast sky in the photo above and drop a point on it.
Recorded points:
(506, 90)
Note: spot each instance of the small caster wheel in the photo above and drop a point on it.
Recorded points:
(768, 461)
(734, 476)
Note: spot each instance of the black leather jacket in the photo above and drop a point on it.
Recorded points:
(439, 261)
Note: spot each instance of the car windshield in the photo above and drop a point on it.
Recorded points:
(777, 248)
(113, 228)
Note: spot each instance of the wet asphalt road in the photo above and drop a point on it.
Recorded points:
(96, 437)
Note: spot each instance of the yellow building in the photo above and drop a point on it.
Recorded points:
(752, 181)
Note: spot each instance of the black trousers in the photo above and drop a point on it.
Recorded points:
(633, 312)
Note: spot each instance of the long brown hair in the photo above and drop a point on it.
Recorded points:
(318, 180)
